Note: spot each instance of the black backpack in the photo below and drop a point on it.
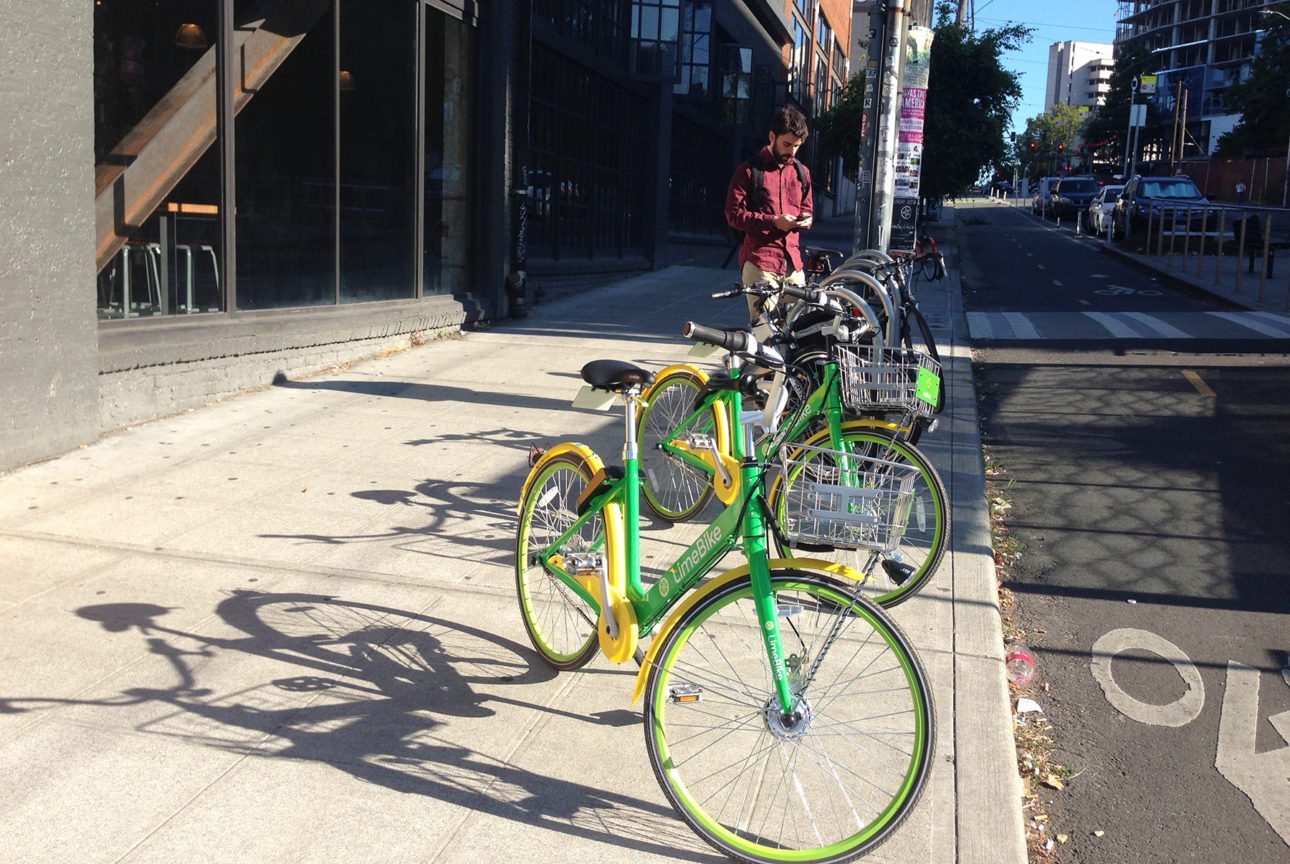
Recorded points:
(759, 184)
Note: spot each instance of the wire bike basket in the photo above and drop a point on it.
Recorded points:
(844, 500)
(889, 379)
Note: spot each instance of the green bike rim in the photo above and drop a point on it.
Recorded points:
(524, 577)
(888, 817)
(693, 481)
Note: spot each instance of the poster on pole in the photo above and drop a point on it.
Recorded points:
(909, 146)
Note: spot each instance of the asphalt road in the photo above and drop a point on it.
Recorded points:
(1144, 436)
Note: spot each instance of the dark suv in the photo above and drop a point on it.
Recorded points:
(1155, 198)
(1071, 195)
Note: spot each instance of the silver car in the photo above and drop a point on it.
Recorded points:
(1097, 218)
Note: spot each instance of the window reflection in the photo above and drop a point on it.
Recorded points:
(377, 149)
(447, 163)
(154, 94)
(285, 180)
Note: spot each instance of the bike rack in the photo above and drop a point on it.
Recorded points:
(842, 276)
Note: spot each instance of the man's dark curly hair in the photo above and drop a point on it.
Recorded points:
(788, 119)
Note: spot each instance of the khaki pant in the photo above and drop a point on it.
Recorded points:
(751, 275)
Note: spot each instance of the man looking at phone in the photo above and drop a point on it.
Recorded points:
(769, 199)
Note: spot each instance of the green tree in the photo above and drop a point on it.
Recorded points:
(1264, 98)
(969, 99)
(839, 127)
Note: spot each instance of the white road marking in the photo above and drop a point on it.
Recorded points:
(1155, 325)
(1113, 325)
(1263, 777)
(1021, 325)
(1250, 322)
(1181, 711)
(1057, 282)
(979, 325)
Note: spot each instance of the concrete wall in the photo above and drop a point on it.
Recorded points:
(48, 329)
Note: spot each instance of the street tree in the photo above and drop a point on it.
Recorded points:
(970, 96)
(839, 127)
(1263, 99)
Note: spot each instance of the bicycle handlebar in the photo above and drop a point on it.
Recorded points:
(730, 340)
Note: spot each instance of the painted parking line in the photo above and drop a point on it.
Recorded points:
(1199, 383)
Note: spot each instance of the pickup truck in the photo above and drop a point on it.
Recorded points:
(1153, 198)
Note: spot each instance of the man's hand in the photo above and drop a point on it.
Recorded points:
(787, 221)
(804, 221)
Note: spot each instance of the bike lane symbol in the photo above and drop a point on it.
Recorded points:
(1264, 777)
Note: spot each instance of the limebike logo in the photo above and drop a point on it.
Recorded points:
(697, 553)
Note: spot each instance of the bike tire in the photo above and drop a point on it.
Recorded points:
(560, 624)
(853, 764)
(927, 525)
(672, 489)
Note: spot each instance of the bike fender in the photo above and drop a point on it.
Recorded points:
(812, 565)
(593, 461)
(679, 367)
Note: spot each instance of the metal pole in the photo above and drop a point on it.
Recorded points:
(1240, 248)
(1128, 132)
(861, 237)
(884, 175)
(1218, 249)
(1267, 245)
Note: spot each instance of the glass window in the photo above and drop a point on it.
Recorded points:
(377, 149)
(448, 212)
(696, 39)
(286, 187)
(797, 67)
(736, 84)
(155, 138)
(655, 34)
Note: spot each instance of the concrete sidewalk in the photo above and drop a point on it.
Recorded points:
(284, 628)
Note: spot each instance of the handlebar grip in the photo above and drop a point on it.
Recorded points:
(801, 293)
(732, 292)
(731, 340)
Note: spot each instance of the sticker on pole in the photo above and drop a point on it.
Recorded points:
(928, 387)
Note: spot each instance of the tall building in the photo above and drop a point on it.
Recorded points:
(1079, 74)
(201, 196)
(1202, 49)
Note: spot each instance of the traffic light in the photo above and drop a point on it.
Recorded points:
(1061, 146)
(1032, 146)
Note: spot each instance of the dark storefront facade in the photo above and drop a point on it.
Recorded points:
(251, 188)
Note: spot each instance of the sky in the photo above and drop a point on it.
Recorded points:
(1052, 21)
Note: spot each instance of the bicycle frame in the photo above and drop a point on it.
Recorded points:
(743, 522)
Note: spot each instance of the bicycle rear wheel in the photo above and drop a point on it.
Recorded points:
(673, 488)
(830, 784)
(904, 570)
(561, 625)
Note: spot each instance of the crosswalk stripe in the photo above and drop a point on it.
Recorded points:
(1021, 325)
(1113, 325)
(1251, 322)
(1275, 319)
(979, 325)
(1155, 325)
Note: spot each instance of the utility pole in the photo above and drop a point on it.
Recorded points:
(884, 175)
(870, 119)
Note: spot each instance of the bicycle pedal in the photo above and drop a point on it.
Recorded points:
(535, 453)
(686, 694)
(898, 572)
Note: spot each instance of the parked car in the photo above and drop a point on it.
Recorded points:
(1154, 198)
(1003, 186)
(1097, 216)
(1040, 204)
(1070, 196)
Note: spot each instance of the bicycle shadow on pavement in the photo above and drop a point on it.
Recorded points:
(367, 689)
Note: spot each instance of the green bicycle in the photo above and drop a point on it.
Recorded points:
(787, 718)
(686, 434)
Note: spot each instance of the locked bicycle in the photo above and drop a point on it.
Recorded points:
(787, 718)
(841, 392)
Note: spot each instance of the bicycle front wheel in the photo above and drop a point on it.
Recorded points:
(561, 625)
(827, 785)
(673, 488)
(925, 523)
